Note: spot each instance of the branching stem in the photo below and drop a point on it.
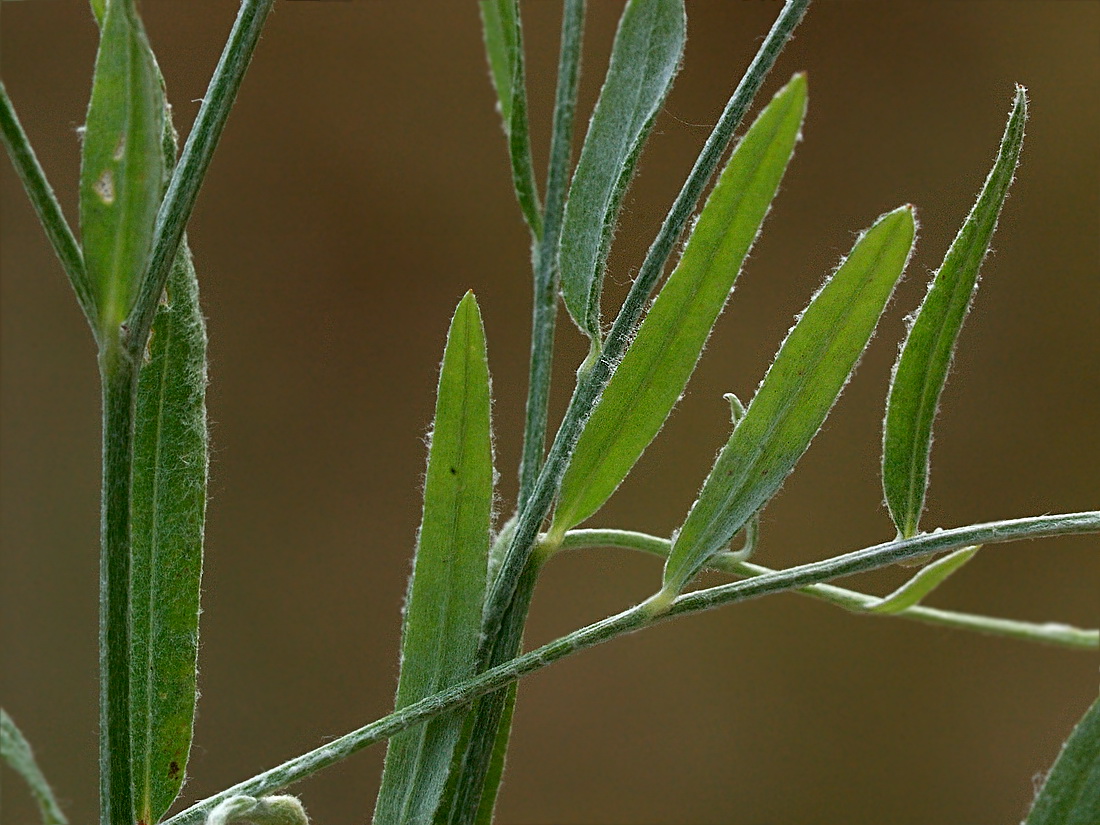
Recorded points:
(636, 618)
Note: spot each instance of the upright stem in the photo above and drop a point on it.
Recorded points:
(118, 374)
(545, 306)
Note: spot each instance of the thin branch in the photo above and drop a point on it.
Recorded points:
(635, 618)
(545, 305)
(183, 188)
(45, 204)
(1051, 633)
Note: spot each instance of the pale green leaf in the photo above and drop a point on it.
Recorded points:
(801, 386)
(503, 33)
(1071, 792)
(923, 582)
(16, 751)
(659, 362)
(168, 506)
(447, 590)
(644, 60)
(122, 167)
(925, 358)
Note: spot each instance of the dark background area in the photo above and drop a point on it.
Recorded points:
(361, 187)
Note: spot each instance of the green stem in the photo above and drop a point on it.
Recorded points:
(119, 381)
(1045, 633)
(545, 306)
(183, 188)
(635, 618)
(588, 388)
(45, 203)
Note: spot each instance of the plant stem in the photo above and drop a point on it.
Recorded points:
(187, 177)
(591, 384)
(1045, 633)
(118, 374)
(45, 203)
(545, 305)
(635, 618)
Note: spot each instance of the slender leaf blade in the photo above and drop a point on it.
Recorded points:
(122, 168)
(925, 358)
(797, 393)
(924, 581)
(447, 590)
(168, 509)
(644, 60)
(498, 27)
(1071, 793)
(16, 751)
(663, 355)
(503, 33)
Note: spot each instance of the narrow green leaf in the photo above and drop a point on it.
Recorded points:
(498, 26)
(16, 751)
(644, 61)
(122, 168)
(801, 386)
(168, 507)
(447, 590)
(923, 582)
(503, 33)
(1071, 793)
(658, 364)
(925, 358)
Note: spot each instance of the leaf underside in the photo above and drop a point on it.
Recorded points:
(801, 386)
(656, 368)
(644, 60)
(447, 590)
(925, 358)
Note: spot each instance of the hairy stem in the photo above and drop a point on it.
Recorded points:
(183, 188)
(1050, 633)
(592, 382)
(45, 203)
(119, 381)
(545, 306)
(635, 618)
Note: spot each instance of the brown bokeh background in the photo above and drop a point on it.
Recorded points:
(360, 188)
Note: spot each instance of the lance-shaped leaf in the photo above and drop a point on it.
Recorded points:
(659, 362)
(122, 167)
(924, 581)
(168, 507)
(644, 60)
(503, 33)
(447, 590)
(1071, 793)
(16, 752)
(924, 360)
(801, 386)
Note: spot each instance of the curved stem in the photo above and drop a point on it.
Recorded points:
(633, 619)
(1051, 633)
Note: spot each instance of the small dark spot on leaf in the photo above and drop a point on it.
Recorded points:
(454, 472)
(173, 769)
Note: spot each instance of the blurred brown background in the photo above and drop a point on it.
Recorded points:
(361, 187)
